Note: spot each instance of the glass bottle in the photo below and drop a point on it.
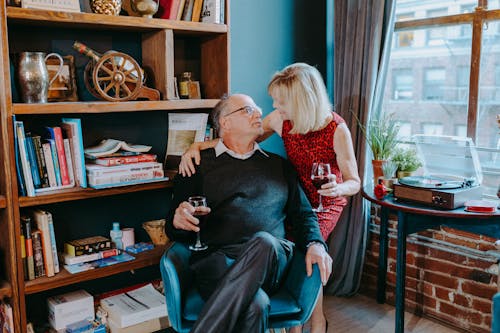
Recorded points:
(184, 85)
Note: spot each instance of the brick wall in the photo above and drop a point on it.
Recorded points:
(451, 275)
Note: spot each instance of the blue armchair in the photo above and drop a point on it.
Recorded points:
(495, 325)
(292, 305)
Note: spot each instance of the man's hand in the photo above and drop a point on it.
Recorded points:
(184, 219)
(186, 167)
(316, 254)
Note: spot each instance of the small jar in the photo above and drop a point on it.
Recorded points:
(184, 85)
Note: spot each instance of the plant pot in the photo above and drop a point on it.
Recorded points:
(403, 174)
(377, 170)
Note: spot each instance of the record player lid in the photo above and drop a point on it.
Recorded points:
(449, 156)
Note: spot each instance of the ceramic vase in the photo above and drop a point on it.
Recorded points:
(377, 170)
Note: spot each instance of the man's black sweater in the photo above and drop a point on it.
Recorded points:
(260, 193)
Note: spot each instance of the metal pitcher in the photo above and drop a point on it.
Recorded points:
(34, 77)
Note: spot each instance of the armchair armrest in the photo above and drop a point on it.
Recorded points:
(174, 267)
(304, 289)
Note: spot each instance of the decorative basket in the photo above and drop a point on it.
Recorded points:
(156, 231)
(106, 7)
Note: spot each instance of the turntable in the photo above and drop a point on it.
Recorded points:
(452, 173)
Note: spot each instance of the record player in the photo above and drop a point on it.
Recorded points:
(452, 173)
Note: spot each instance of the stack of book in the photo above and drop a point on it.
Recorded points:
(92, 252)
(115, 163)
(208, 11)
(38, 245)
(50, 162)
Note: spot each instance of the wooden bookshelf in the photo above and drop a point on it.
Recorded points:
(88, 193)
(5, 289)
(106, 107)
(100, 22)
(64, 278)
(3, 201)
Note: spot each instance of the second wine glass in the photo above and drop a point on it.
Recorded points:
(320, 174)
(197, 202)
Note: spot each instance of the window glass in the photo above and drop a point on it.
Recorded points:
(488, 131)
(432, 128)
(434, 84)
(403, 84)
(404, 38)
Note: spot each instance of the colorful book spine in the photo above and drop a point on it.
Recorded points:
(42, 222)
(55, 161)
(36, 235)
(32, 158)
(25, 163)
(40, 160)
(20, 177)
(53, 242)
(26, 224)
(56, 134)
(49, 162)
(119, 160)
(76, 124)
(69, 162)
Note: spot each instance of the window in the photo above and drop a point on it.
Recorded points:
(439, 59)
(402, 84)
(434, 80)
(432, 128)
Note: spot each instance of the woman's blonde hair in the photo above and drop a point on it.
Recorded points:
(302, 88)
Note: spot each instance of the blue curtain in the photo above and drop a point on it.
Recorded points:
(362, 42)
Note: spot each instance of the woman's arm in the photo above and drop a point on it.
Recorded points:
(347, 165)
(186, 167)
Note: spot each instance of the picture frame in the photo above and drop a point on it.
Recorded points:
(63, 89)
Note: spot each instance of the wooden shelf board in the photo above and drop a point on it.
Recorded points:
(87, 193)
(64, 278)
(3, 201)
(5, 289)
(104, 107)
(106, 22)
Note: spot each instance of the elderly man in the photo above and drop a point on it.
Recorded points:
(252, 195)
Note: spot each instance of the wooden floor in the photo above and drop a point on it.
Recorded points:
(360, 314)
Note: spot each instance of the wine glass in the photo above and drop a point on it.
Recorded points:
(320, 174)
(196, 202)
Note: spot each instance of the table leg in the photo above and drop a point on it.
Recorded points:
(382, 255)
(401, 272)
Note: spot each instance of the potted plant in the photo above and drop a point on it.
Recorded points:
(381, 135)
(407, 161)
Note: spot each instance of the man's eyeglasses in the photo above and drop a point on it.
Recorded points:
(247, 108)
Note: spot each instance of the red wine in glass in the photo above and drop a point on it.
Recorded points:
(320, 173)
(198, 201)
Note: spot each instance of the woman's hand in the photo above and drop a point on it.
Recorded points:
(332, 188)
(186, 167)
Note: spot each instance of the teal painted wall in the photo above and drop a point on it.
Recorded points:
(267, 36)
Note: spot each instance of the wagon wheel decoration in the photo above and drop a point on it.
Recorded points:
(117, 77)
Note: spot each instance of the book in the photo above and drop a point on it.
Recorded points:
(188, 10)
(135, 306)
(49, 163)
(19, 172)
(118, 160)
(71, 260)
(109, 146)
(480, 206)
(126, 177)
(167, 9)
(198, 4)
(104, 262)
(22, 242)
(23, 155)
(152, 325)
(180, 10)
(53, 242)
(55, 133)
(55, 161)
(69, 161)
(94, 170)
(41, 219)
(40, 159)
(211, 12)
(30, 264)
(36, 236)
(75, 125)
(129, 183)
(87, 245)
(33, 162)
